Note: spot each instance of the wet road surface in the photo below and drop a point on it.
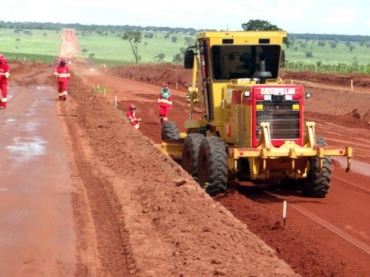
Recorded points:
(35, 187)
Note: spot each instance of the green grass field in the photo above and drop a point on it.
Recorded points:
(111, 49)
(340, 54)
(33, 45)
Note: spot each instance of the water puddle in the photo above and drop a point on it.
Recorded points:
(25, 148)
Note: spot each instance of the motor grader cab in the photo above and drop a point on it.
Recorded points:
(252, 126)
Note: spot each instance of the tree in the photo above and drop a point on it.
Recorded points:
(177, 58)
(259, 25)
(149, 35)
(309, 55)
(160, 57)
(263, 25)
(321, 43)
(134, 38)
(189, 41)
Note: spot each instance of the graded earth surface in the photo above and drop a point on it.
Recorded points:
(83, 193)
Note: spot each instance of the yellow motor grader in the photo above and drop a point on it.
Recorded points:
(252, 126)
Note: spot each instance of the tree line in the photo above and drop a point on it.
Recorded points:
(134, 35)
(128, 28)
(100, 29)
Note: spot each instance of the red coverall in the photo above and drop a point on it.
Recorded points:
(164, 106)
(133, 120)
(4, 74)
(63, 75)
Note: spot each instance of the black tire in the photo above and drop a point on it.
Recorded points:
(318, 183)
(170, 131)
(212, 165)
(190, 152)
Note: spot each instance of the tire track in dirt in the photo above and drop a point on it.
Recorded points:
(95, 201)
(348, 238)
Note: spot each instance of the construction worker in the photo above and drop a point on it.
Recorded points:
(4, 75)
(164, 103)
(132, 116)
(62, 74)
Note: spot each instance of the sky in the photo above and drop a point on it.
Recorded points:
(342, 17)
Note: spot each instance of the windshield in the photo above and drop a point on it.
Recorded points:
(243, 61)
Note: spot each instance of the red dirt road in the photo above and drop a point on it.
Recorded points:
(84, 194)
(29, 197)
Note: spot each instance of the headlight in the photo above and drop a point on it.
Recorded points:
(267, 97)
(288, 97)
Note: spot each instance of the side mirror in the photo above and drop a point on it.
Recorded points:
(308, 95)
(189, 59)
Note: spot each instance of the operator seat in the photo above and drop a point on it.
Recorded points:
(262, 74)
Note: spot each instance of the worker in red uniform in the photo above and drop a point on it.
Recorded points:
(4, 75)
(132, 116)
(164, 103)
(62, 74)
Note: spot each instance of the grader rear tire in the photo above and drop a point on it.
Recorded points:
(318, 183)
(212, 165)
(190, 152)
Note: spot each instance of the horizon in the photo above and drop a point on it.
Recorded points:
(149, 26)
(338, 17)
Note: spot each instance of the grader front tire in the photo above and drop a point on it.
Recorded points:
(318, 183)
(212, 165)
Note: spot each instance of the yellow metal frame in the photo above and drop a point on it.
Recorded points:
(266, 151)
(174, 150)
